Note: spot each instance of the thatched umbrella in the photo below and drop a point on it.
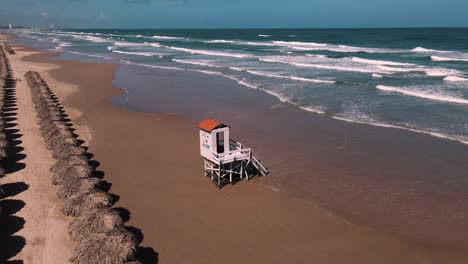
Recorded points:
(74, 186)
(57, 133)
(115, 247)
(3, 143)
(72, 160)
(60, 143)
(69, 150)
(3, 153)
(52, 124)
(85, 202)
(50, 114)
(97, 221)
(73, 172)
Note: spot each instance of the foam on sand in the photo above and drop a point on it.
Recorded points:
(415, 92)
(384, 125)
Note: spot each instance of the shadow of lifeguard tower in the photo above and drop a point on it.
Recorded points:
(226, 160)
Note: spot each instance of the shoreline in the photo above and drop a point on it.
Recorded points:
(105, 137)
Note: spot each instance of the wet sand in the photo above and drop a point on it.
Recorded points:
(395, 180)
(153, 163)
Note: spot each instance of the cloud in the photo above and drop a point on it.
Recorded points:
(44, 14)
(102, 16)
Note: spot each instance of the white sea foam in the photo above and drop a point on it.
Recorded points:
(266, 74)
(207, 72)
(380, 124)
(139, 36)
(438, 58)
(377, 76)
(91, 38)
(455, 79)
(416, 92)
(145, 54)
(321, 66)
(424, 50)
(199, 63)
(237, 69)
(301, 44)
(313, 46)
(264, 36)
(91, 55)
(313, 109)
(132, 44)
(381, 62)
(167, 38)
(254, 43)
(209, 52)
(219, 41)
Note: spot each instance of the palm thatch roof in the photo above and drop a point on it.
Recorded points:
(72, 172)
(3, 153)
(3, 143)
(72, 160)
(75, 186)
(78, 204)
(94, 222)
(115, 247)
(69, 150)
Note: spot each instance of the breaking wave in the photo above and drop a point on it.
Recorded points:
(210, 53)
(437, 58)
(431, 95)
(145, 54)
(295, 78)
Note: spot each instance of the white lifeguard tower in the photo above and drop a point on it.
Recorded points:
(226, 161)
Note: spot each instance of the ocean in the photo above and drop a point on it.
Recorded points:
(411, 79)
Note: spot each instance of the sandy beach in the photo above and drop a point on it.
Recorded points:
(44, 228)
(183, 217)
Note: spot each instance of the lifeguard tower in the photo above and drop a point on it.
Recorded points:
(226, 160)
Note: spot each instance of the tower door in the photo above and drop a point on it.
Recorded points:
(220, 142)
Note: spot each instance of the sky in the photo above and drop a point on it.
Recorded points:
(235, 13)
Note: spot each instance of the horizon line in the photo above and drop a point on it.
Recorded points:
(244, 28)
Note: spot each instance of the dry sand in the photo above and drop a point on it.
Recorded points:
(45, 228)
(154, 166)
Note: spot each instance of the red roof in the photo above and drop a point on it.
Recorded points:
(210, 125)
